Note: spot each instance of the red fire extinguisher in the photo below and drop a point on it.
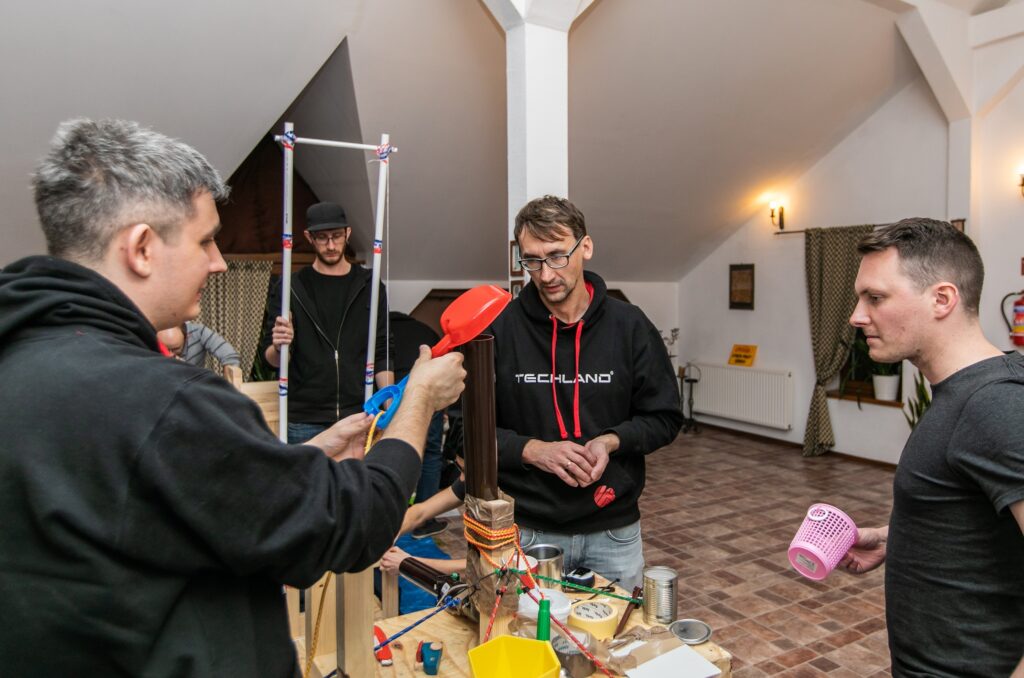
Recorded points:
(1017, 327)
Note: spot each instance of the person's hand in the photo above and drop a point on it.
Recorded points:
(441, 380)
(345, 439)
(392, 559)
(572, 463)
(282, 334)
(868, 552)
(599, 450)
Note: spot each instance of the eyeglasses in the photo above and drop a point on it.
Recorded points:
(554, 261)
(321, 237)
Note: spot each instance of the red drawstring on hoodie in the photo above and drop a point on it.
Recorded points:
(576, 383)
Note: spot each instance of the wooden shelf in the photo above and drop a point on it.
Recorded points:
(864, 399)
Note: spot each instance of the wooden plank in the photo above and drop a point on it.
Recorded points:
(322, 642)
(264, 393)
(389, 593)
(355, 605)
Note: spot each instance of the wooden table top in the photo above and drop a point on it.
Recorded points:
(459, 635)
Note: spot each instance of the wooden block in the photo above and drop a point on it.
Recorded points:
(265, 395)
(389, 593)
(354, 640)
(324, 642)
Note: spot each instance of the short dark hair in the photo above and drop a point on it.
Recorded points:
(931, 251)
(545, 217)
(101, 176)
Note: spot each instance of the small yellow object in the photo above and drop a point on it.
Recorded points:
(743, 355)
(513, 657)
(596, 618)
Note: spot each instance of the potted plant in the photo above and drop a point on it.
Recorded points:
(863, 376)
(919, 402)
(885, 377)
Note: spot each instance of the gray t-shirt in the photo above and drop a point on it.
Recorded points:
(954, 579)
(202, 340)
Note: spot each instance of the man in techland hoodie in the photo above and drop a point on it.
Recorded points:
(585, 390)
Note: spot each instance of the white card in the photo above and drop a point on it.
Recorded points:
(682, 662)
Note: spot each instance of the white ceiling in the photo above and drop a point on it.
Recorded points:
(681, 113)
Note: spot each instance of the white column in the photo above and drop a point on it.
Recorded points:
(537, 68)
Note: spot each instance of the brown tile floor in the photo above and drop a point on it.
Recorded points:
(721, 509)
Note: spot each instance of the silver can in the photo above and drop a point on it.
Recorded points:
(660, 595)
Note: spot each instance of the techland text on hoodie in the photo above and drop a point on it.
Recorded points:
(149, 517)
(607, 373)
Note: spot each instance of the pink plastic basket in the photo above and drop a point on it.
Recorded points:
(821, 542)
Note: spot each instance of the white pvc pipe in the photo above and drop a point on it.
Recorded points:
(288, 142)
(324, 142)
(378, 246)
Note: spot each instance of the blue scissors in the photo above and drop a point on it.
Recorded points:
(464, 319)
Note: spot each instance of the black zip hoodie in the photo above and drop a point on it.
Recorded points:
(326, 374)
(607, 373)
(148, 518)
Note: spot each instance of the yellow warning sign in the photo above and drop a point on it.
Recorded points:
(743, 355)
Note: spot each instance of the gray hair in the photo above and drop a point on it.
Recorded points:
(102, 176)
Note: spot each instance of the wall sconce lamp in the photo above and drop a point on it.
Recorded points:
(777, 209)
(1020, 173)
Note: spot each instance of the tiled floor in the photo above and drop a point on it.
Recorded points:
(721, 509)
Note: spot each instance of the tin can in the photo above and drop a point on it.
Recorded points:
(660, 595)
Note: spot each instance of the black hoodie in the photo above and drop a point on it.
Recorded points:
(612, 374)
(148, 518)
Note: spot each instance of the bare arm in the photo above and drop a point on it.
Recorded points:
(394, 557)
(445, 500)
(382, 379)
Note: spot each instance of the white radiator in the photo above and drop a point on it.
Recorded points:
(763, 397)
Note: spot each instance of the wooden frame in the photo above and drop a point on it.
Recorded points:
(741, 286)
(514, 268)
(959, 224)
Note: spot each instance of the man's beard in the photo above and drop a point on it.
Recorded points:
(335, 258)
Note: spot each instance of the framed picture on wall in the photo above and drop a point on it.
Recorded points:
(514, 269)
(958, 224)
(741, 286)
(517, 287)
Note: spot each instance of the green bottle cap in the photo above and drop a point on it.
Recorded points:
(544, 620)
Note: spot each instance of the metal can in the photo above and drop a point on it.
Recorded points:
(660, 595)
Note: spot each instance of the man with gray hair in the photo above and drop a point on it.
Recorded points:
(953, 548)
(150, 518)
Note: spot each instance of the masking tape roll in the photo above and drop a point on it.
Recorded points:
(596, 618)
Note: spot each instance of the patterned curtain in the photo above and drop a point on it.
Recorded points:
(233, 304)
(831, 263)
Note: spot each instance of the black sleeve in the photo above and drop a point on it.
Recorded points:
(655, 415)
(459, 489)
(213, 488)
(270, 313)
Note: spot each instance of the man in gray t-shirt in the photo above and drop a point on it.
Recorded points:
(954, 548)
(192, 342)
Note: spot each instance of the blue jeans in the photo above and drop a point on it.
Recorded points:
(613, 554)
(430, 476)
(299, 432)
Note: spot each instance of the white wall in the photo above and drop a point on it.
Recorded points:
(999, 232)
(891, 167)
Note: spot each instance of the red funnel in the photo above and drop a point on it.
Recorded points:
(469, 315)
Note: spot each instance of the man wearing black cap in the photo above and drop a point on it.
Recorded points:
(327, 332)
